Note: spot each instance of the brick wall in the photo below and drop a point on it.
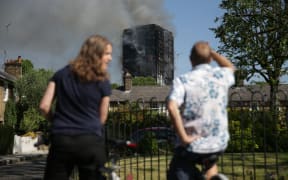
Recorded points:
(14, 67)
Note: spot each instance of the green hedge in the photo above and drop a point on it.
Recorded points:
(256, 131)
(148, 145)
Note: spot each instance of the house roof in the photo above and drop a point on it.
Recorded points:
(257, 93)
(159, 93)
(6, 76)
(145, 93)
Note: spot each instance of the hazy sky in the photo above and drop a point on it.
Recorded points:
(50, 33)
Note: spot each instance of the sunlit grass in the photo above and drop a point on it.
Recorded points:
(235, 166)
(145, 167)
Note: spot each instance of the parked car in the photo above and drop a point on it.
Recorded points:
(163, 135)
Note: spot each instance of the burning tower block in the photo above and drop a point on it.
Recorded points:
(148, 50)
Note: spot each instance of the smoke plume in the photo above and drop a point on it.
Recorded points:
(51, 32)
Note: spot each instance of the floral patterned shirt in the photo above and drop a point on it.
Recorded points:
(202, 96)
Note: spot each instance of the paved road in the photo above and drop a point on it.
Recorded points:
(24, 170)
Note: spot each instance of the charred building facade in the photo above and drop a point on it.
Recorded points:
(148, 50)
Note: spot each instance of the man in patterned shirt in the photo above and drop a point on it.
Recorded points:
(197, 106)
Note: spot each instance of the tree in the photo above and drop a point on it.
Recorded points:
(32, 120)
(254, 34)
(32, 85)
(27, 66)
(10, 114)
(143, 81)
(30, 90)
(115, 85)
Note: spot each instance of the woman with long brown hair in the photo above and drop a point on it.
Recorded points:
(81, 91)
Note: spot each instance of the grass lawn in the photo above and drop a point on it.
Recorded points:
(235, 166)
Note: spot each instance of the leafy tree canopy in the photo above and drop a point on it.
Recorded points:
(115, 85)
(143, 81)
(27, 66)
(254, 34)
(32, 85)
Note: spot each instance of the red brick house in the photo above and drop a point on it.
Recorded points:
(12, 71)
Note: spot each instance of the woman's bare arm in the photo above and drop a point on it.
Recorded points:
(104, 107)
(47, 100)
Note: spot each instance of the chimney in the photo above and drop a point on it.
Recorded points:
(19, 59)
(14, 67)
(127, 80)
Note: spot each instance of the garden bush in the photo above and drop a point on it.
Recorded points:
(148, 144)
(10, 114)
(255, 131)
(32, 121)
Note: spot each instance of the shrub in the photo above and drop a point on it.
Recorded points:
(282, 141)
(255, 131)
(148, 144)
(10, 114)
(143, 81)
(32, 120)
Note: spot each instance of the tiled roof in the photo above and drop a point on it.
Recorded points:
(257, 93)
(159, 93)
(6, 76)
(145, 93)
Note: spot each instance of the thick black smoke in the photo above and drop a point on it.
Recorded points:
(50, 32)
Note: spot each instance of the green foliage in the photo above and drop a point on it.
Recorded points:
(240, 132)
(32, 120)
(254, 35)
(31, 88)
(241, 140)
(282, 140)
(6, 139)
(27, 66)
(32, 85)
(148, 144)
(143, 81)
(10, 114)
(115, 85)
(154, 118)
(255, 131)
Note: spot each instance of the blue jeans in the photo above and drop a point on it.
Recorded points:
(183, 165)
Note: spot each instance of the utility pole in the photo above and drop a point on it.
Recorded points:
(5, 51)
(7, 27)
